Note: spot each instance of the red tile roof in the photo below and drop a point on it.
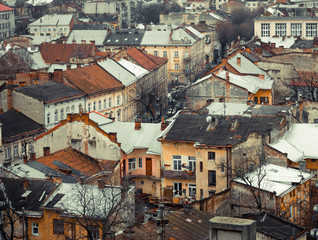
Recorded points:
(4, 8)
(92, 79)
(86, 165)
(61, 53)
(147, 61)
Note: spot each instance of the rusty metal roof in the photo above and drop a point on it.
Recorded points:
(92, 79)
(182, 226)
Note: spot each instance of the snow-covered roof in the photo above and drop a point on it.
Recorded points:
(276, 178)
(251, 83)
(285, 42)
(69, 197)
(299, 143)
(37, 40)
(217, 16)
(217, 108)
(39, 2)
(144, 138)
(246, 66)
(53, 20)
(138, 71)
(78, 36)
(24, 171)
(38, 62)
(195, 32)
(118, 71)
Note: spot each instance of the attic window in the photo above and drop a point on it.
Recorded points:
(108, 40)
(25, 194)
(136, 39)
(126, 39)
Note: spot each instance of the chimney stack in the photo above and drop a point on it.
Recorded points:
(32, 156)
(262, 76)
(164, 125)
(227, 74)
(9, 92)
(137, 125)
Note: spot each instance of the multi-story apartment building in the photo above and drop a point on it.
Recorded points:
(55, 26)
(293, 26)
(183, 47)
(7, 25)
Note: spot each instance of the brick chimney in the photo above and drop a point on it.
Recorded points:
(262, 76)
(25, 184)
(164, 125)
(137, 125)
(227, 74)
(58, 75)
(238, 60)
(9, 93)
(46, 151)
(32, 156)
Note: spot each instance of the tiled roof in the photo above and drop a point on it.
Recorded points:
(92, 79)
(61, 53)
(50, 91)
(190, 127)
(142, 59)
(4, 8)
(182, 226)
(16, 124)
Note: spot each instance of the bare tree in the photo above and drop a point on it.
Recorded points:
(15, 60)
(12, 219)
(104, 209)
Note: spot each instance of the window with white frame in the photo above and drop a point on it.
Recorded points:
(94, 106)
(35, 229)
(62, 114)
(7, 153)
(73, 109)
(296, 29)
(89, 107)
(105, 103)
(132, 163)
(155, 53)
(118, 100)
(99, 105)
(176, 66)
(177, 188)
(109, 102)
(16, 150)
(56, 116)
(140, 162)
(192, 190)
(265, 30)
(48, 118)
(67, 110)
(176, 54)
(280, 29)
(165, 54)
(191, 163)
(311, 29)
(177, 162)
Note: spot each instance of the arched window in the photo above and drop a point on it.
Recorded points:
(89, 107)
(109, 102)
(67, 110)
(94, 106)
(99, 105)
(73, 109)
(80, 108)
(105, 103)
(118, 100)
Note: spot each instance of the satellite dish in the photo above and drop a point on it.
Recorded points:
(208, 119)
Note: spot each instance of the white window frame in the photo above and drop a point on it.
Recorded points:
(177, 189)
(176, 54)
(140, 162)
(265, 29)
(296, 29)
(177, 163)
(131, 164)
(280, 29)
(311, 29)
(16, 150)
(192, 187)
(35, 229)
(8, 153)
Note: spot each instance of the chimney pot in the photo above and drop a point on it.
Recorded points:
(137, 125)
(101, 183)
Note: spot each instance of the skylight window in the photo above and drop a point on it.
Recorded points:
(136, 39)
(108, 40)
(117, 40)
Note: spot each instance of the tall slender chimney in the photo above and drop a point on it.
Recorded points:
(9, 92)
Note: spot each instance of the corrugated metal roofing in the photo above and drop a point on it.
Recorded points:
(55, 19)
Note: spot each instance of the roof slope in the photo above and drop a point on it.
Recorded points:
(4, 8)
(182, 226)
(50, 91)
(68, 162)
(142, 59)
(194, 128)
(53, 20)
(16, 124)
(299, 142)
(276, 227)
(39, 190)
(62, 53)
(92, 79)
(87, 35)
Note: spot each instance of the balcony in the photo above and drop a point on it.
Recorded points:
(186, 58)
(178, 174)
